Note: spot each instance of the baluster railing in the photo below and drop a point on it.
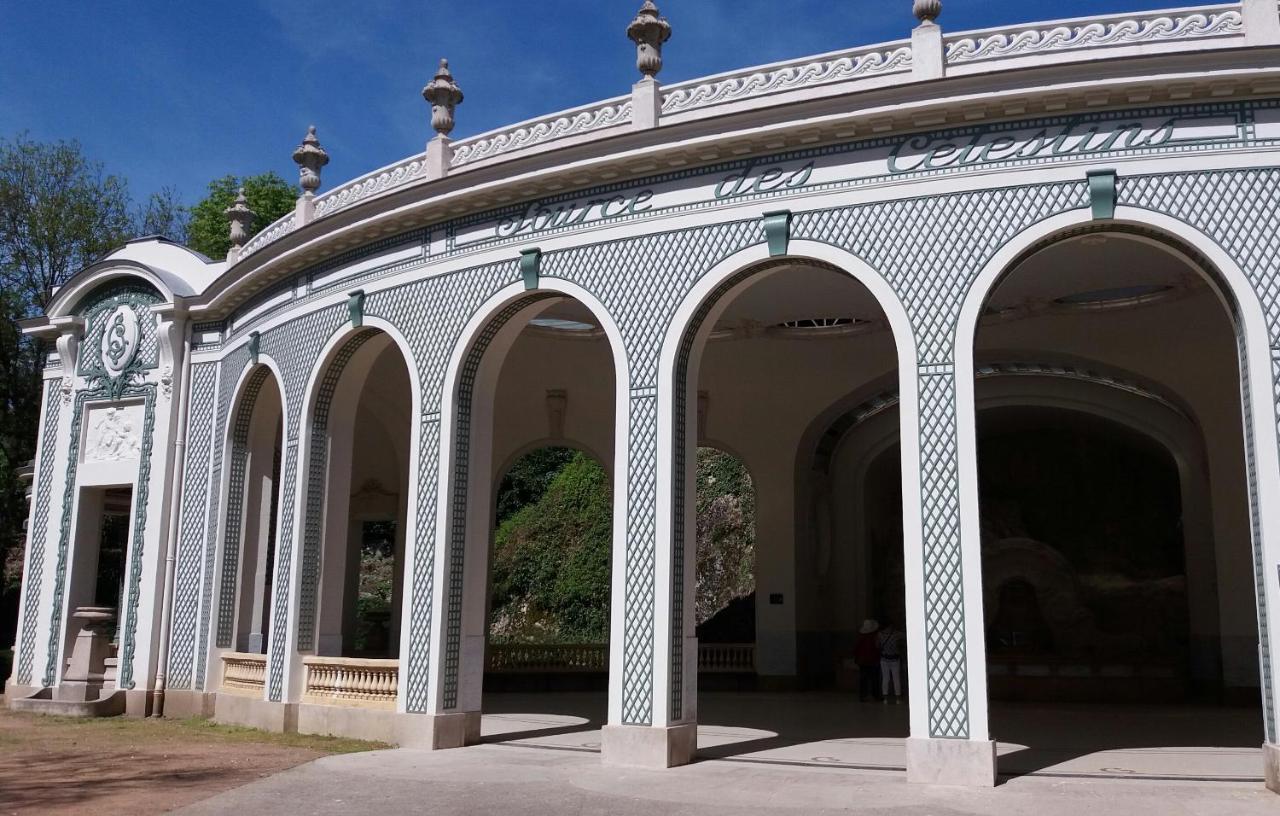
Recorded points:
(351, 682)
(244, 673)
(727, 658)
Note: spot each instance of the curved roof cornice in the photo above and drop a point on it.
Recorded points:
(887, 89)
(173, 269)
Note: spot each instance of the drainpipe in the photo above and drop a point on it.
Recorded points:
(171, 539)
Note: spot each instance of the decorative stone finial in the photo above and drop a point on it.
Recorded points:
(649, 30)
(310, 157)
(241, 218)
(444, 95)
(927, 11)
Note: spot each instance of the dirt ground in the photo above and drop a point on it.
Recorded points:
(59, 765)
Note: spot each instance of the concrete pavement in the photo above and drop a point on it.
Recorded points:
(793, 753)
(520, 779)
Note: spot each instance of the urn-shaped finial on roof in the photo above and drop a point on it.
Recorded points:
(649, 30)
(241, 218)
(444, 95)
(927, 11)
(310, 157)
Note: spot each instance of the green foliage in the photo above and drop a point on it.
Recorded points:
(551, 556)
(270, 197)
(726, 532)
(551, 560)
(376, 583)
(163, 214)
(529, 479)
(58, 214)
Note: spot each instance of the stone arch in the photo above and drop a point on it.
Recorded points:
(297, 620)
(253, 378)
(867, 420)
(465, 498)
(682, 346)
(1243, 305)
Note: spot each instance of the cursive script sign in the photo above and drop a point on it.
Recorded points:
(1076, 138)
(538, 216)
(865, 163)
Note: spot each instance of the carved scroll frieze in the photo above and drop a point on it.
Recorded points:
(788, 78)
(1094, 35)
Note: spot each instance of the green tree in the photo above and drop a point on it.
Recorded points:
(529, 479)
(59, 212)
(551, 561)
(163, 214)
(726, 532)
(270, 197)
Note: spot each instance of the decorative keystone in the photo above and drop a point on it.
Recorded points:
(927, 11)
(649, 30)
(444, 95)
(777, 229)
(531, 267)
(355, 308)
(255, 347)
(241, 219)
(310, 157)
(1102, 194)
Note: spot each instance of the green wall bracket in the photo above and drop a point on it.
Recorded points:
(1102, 194)
(777, 229)
(255, 345)
(355, 307)
(530, 267)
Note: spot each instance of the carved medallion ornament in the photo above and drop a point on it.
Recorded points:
(120, 338)
(120, 341)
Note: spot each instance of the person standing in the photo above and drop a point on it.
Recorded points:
(891, 642)
(866, 653)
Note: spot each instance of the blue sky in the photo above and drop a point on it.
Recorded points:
(177, 93)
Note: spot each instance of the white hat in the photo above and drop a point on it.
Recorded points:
(868, 626)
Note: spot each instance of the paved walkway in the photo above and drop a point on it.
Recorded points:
(1157, 742)
(505, 779)
(791, 753)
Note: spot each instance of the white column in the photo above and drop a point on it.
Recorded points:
(653, 670)
(946, 646)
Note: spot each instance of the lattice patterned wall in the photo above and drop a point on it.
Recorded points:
(191, 543)
(232, 542)
(317, 477)
(1235, 208)
(928, 249)
(34, 568)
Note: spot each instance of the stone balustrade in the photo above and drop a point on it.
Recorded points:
(727, 658)
(513, 658)
(963, 53)
(351, 682)
(1182, 28)
(244, 673)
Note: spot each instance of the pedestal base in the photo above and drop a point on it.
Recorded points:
(1271, 766)
(437, 732)
(252, 712)
(182, 703)
(967, 763)
(14, 691)
(139, 702)
(642, 746)
(77, 691)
